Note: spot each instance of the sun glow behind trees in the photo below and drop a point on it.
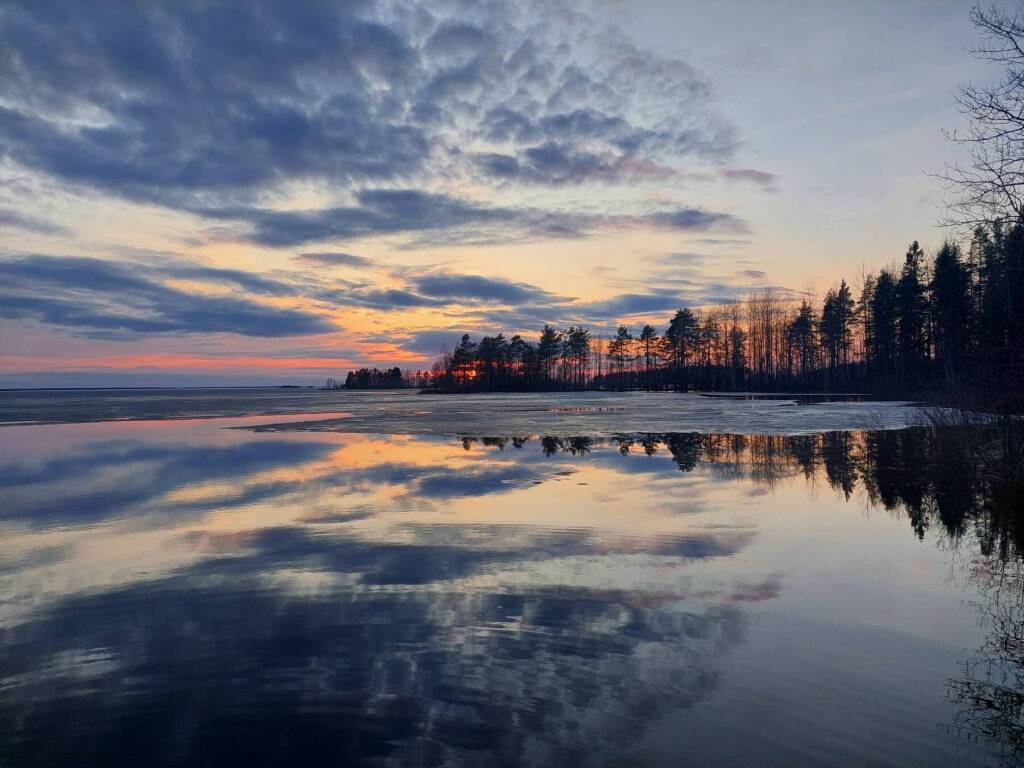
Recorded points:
(950, 321)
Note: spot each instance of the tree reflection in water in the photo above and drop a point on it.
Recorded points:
(911, 473)
(908, 472)
(416, 647)
(991, 689)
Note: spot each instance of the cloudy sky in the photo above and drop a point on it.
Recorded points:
(274, 192)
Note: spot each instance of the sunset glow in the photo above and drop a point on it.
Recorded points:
(474, 168)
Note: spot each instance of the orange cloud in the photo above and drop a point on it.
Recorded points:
(13, 364)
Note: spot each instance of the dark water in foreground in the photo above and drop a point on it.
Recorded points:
(177, 593)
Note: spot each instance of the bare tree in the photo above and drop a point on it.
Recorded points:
(990, 187)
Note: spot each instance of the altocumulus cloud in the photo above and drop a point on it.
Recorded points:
(438, 289)
(106, 299)
(196, 97)
(214, 107)
(122, 300)
(334, 259)
(438, 219)
(477, 288)
(433, 341)
(12, 219)
(385, 212)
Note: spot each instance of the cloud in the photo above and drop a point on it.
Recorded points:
(731, 241)
(549, 163)
(11, 219)
(378, 212)
(203, 106)
(437, 218)
(560, 163)
(476, 288)
(628, 304)
(683, 280)
(381, 112)
(248, 281)
(123, 300)
(437, 290)
(433, 341)
(763, 179)
(108, 299)
(694, 220)
(389, 299)
(194, 98)
(453, 40)
(681, 259)
(335, 259)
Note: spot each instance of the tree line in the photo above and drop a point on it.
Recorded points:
(951, 321)
(375, 378)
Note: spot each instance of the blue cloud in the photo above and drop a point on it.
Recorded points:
(212, 107)
(378, 212)
(633, 304)
(436, 218)
(444, 289)
(110, 299)
(11, 219)
(392, 298)
(432, 342)
(201, 97)
(453, 39)
(502, 124)
(476, 288)
(695, 220)
(553, 163)
(763, 179)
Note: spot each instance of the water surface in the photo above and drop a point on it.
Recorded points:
(190, 593)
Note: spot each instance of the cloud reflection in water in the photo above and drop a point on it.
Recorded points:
(229, 597)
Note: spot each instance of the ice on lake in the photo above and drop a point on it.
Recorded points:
(497, 415)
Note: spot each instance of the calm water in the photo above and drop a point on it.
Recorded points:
(182, 593)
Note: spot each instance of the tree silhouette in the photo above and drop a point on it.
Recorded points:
(951, 311)
(648, 347)
(802, 345)
(911, 306)
(954, 326)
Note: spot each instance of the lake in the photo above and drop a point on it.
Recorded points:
(282, 577)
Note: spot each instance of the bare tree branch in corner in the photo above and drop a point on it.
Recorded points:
(990, 187)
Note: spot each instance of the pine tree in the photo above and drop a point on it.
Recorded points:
(951, 311)
(549, 350)
(681, 341)
(802, 342)
(911, 318)
(648, 348)
(884, 314)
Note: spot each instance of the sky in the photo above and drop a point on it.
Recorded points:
(199, 193)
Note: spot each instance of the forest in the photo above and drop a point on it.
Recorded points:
(948, 325)
(949, 322)
(375, 378)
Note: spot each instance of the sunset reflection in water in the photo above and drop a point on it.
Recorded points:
(195, 590)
